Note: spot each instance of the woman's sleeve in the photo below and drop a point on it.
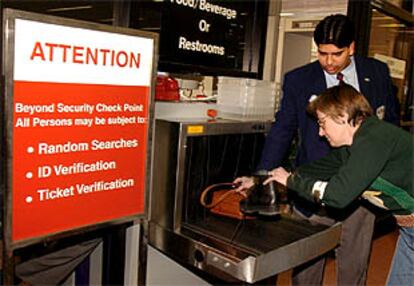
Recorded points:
(304, 178)
(367, 158)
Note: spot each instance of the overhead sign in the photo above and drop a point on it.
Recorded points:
(80, 120)
(199, 29)
(212, 34)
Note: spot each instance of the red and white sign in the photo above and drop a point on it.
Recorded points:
(80, 127)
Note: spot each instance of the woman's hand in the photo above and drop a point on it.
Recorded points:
(243, 184)
(279, 175)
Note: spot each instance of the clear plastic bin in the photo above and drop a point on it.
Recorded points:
(246, 113)
(246, 99)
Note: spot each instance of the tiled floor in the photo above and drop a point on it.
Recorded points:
(382, 252)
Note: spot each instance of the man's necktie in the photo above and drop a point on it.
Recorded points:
(340, 77)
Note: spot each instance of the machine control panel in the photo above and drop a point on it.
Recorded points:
(221, 262)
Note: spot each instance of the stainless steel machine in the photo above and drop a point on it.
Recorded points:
(190, 155)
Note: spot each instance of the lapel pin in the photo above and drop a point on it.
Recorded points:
(367, 79)
(313, 97)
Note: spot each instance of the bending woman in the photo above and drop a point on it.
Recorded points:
(373, 159)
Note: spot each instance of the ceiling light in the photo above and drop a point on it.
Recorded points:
(63, 9)
(391, 26)
(286, 14)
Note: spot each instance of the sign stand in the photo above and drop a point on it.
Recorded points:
(77, 103)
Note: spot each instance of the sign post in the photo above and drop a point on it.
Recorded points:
(78, 120)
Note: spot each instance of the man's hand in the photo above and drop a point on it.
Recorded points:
(279, 175)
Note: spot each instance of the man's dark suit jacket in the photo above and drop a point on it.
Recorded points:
(299, 85)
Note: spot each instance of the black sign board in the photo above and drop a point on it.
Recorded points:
(206, 36)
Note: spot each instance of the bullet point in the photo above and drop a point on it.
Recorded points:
(29, 175)
(30, 149)
(29, 199)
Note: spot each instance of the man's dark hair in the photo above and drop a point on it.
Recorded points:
(335, 29)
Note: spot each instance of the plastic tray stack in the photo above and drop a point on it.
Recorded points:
(246, 99)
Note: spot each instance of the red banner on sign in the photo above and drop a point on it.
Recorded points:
(79, 153)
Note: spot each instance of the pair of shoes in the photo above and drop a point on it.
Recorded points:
(262, 199)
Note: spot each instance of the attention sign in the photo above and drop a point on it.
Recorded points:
(80, 127)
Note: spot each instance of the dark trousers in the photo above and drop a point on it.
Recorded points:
(53, 268)
(352, 255)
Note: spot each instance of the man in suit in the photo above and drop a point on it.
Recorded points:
(334, 37)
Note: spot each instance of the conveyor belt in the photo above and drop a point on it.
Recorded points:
(249, 250)
(257, 236)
